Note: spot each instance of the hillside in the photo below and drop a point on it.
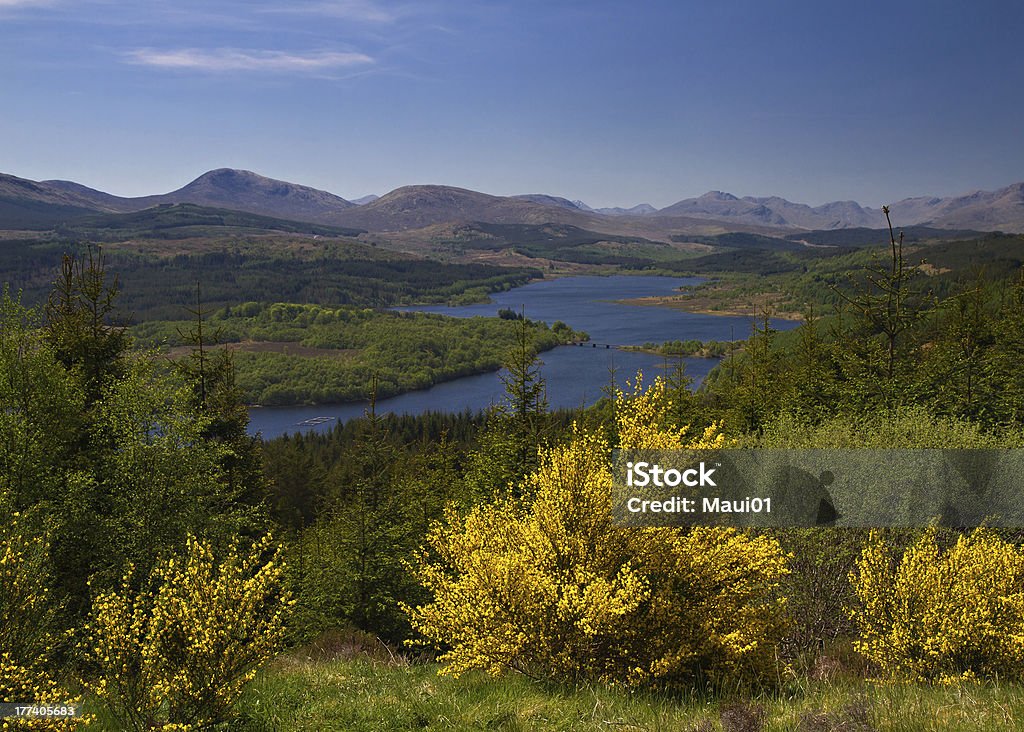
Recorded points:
(413, 207)
(243, 190)
(31, 204)
(1001, 210)
(237, 190)
(26, 204)
(186, 220)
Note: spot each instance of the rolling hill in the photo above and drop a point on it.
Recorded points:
(31, 204)
(26, 204)
(187, 220)
(414, 207)
(237, 190)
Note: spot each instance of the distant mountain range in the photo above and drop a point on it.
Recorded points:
(638, 210)
(774, 211)
(32, 204)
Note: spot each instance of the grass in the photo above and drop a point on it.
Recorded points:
(370, 695)
(366, 694)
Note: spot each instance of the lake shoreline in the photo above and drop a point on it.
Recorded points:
(703, 306)
(394, 394)
(575, 376)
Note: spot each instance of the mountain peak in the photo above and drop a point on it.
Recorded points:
(718, 196)
(231, 179)
(230, 174)
(244, 190)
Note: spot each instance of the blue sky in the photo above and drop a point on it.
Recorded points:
(611, 102)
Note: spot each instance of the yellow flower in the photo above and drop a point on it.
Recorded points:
(942, 615)
(205, 628)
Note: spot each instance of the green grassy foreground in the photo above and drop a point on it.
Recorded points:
(364, 694)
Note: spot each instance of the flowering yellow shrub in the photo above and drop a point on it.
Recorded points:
(177, 657)
(25, 631)
(942, 615)
(32, 684)
(551, 587)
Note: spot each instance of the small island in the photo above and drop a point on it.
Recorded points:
(692, 348)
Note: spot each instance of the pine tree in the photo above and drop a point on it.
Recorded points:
(354, 555)
(507, 445)
(211, 371)
(956, 373)
(78, 322)
(814, 372)
(889, 307)
(526, 402)
(685, 406)
(758, 395)
(1005, 365)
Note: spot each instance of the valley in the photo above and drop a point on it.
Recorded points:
(231, 241)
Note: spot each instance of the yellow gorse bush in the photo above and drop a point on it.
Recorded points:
(24, 636)
(942, 615)
(178, 655)
(549, 586)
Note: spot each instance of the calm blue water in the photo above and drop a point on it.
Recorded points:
(587, 304)
(575, 376)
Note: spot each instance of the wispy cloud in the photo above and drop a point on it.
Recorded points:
(23, 3)
(366, 11)
(233, 59)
